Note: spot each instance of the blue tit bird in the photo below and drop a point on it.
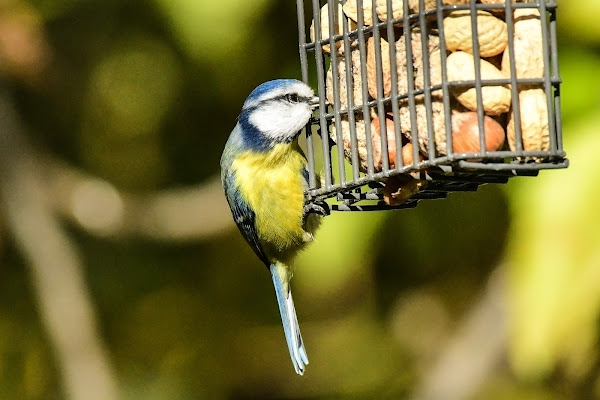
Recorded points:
(264, 175)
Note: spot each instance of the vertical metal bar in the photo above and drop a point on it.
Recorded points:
(310, 152)
(302, 40)
(414, 130)
(514, 88)
(321, 84)
(350, 105)
(365, 90)
(394, 89)
(445, 90)
(332, 11)
(380, 94)
(426, 80)
(478, 82)
(555, 77)
(547, 85)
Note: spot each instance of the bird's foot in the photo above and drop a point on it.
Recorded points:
(319, 207)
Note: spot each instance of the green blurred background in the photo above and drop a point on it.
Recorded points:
(123, 277)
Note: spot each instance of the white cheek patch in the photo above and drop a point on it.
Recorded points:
(280, 120)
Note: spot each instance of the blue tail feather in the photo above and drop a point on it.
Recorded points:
(288, 318)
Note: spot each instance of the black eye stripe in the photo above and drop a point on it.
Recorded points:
(297, 99)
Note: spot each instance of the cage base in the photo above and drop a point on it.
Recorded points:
(462, 176)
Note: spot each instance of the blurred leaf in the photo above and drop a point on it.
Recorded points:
(554, 256)
(580, 92)
(505, 388)
(51, 9)
(213, 31)
(338, 252)
(130, 92)
(580, 19)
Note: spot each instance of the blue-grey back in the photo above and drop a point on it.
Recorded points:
(233, 147)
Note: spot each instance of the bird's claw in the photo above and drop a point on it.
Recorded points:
(319, 207)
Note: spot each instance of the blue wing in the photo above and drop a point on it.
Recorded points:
(243, 216)
(304, 172)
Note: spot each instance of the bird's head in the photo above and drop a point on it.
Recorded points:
(277, 110)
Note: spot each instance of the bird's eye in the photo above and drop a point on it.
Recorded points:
(292, 98)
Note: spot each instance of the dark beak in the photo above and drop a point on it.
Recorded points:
(314, 102)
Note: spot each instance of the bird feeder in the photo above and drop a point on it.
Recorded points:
(419, 98)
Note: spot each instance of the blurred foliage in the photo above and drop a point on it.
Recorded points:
(145, 93)
(561, 251)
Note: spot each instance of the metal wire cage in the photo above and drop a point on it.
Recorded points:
(422, 97)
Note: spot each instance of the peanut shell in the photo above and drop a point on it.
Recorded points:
(338, 28)
(361, 141)
(434, 58)
(437, 105)
(534, 121)
(438, 123)
(402, 65)
(461, 66)
(413, 6)
(351, 11)
(528, 45)
(492, 35)
(397, 9)
(376, 143)
(386, 67)
(500, 1)
(343, 84)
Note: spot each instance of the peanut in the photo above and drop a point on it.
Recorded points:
(338, 28)
(413, 6)
(401, 64)
(397, 9)
(401, 67)
(496, 99)
(529, 63)
(435, 62)
(534, 121)
(492, 36)
(376, 143)
(437, 105)
(361, 141)
(356, 82)
(500, 1)
(438, 123)
(386, 67)
(528, 45)
(351, 11)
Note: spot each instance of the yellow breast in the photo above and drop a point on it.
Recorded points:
(272, 184)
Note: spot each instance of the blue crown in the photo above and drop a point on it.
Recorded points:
(268, 86)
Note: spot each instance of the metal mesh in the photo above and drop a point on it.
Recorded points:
(385, 87)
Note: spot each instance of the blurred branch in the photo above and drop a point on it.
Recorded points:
(62, 297)
(100, 208)
(477, 347)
